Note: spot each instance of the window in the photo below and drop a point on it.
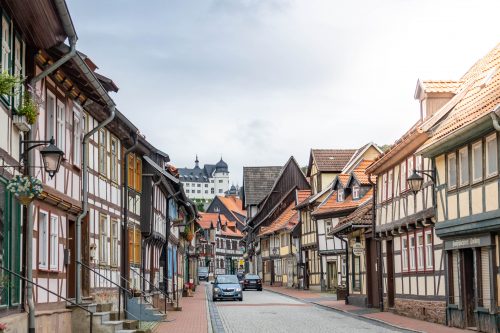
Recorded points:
(61, 126)
(477, 161)
(420, 251)
(412, 252)
(356, 281)
(102, 152)
(51, 115)
(114, 159)
(212, 190)
(6, 52)
(355, 192)
(220, 190)
(491, 155)
(77, 136)
(103, 239)
(220, 181)
(206, 185)
(138, 174)
(384, 187)
(410, 168)
(452, 170)
(18, 68)
(343, 269)
(404, 252)
(389, 184)
(137, 246)
(43, 240)
(340, 195)
(328, 227)
(429, 258)
(198, 185)
(206, 191)
(188, 184)
(463, 164)
(114, 242)
(403, 176)
(54, 242)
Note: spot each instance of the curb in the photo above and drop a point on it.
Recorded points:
(347, 312)
(210, 328)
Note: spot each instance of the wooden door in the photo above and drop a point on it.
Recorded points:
(468, 287)
(332, 274)
(390, 274)
(307, 271)
(372, 274)
(72, 263)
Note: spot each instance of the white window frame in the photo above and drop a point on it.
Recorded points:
(6, 48)
(412, 251)
(477, 148)
(355, 192)
(43, 239)
(429, 250)
(463, 175)
(103, 240)
(384, 186)
(61, 125)
(452, 161)
(51, 115)
(19, 48)
(114, 159)
(420, 251)
(340, 194)
(410, 167)
(102, 152)
(491, 138)
(404, 252)
(403, 176)
(114, 242)
(54, 242)
(390, 184)
(77, 134)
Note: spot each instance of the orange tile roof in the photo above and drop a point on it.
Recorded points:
(233, 203)
(331, 205)
(360, 172)
(231, 232)
(440, 86)
(343, 178)
(477, 96)
(207, 219)
(302, 195)
(287, 220)
(361, 216)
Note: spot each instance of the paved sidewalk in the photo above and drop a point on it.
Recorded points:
(326, 300)
(192, 318)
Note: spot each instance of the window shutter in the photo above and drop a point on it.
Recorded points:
(455, 279)
(485, 276)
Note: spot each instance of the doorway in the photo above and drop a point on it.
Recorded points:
(373, 281)
(331, 271)
(390, 274)
(72, 264)
(468, 287)
(306, 271)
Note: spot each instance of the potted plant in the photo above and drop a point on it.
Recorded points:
(3, 327)
(9, 83)
(25, 188)
(188, 234)
(26, 114)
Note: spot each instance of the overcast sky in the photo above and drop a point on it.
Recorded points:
(255, 81)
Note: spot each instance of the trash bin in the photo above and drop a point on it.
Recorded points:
(341, 293)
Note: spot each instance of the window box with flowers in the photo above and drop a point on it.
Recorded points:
(25, 188)
(26, 114)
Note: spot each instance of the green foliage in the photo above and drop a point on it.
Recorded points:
(200, 207)
(28, 108)
(384, 148)
(9, 84)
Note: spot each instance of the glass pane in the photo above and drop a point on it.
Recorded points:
(492, 156)
(478, 162)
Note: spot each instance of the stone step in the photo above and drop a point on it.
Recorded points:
(104, 307)
(126, 331)
(116, 324)
(131, 324)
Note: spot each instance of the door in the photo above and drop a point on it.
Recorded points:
(331, 270)
(468, 287)
(72, 263)
(390, 274)
(373, 281)
(306, 272)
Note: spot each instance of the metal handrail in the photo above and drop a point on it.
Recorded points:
(53, 293)
(112, 282)
(165, 295)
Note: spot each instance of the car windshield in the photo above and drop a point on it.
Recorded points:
(250, 276)
(226, 279)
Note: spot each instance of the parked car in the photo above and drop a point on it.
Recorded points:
(226, 287)
(252, 281)
(203, 273)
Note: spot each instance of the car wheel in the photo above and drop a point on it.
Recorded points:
(214, 299)
(243, 289)
(259, 289)
(240, 299)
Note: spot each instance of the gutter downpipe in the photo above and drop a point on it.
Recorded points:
(378, 245)
(494, 117)
(78, 280)
(73, 38)
(125, 254)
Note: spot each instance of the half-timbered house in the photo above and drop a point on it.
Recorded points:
(463, 148)
(231, 206)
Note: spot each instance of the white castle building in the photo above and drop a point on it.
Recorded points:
(207, 182)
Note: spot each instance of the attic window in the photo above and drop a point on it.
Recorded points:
(340, 195)
(488, 77)
(355, 192)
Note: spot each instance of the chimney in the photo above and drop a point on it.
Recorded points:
(433, 94)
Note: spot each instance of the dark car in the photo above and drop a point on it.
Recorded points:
(226, 287)
(252, 281)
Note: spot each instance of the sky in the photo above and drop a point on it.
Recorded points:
(256, 81)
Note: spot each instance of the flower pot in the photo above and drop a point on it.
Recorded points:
(25, 199)
(21, 123)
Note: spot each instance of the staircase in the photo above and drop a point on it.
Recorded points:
(142, 307)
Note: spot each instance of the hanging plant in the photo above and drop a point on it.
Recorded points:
(25, 188)
(28, 108)
(188, 234)
(9, 84)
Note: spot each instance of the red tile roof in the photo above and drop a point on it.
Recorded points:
(233, 204)
(286, 221)
(331, 160)
(440, 86)
(361, 216)
(302, 195)
(360, 172)
(331, 205)
(477, 96)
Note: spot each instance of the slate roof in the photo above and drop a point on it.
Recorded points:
(196, 174)
(257, 182)
(330, 160)
(477, 96)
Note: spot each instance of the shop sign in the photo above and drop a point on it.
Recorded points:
(463, 243)
(357, 249)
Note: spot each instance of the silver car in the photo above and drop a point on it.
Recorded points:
(226, 287)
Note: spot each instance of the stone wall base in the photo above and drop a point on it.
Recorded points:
(431, 311)
(102, 296)
(16, 323)
(53, 321)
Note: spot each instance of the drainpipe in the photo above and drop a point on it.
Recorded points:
(378, 244)
(494, 117)
(125, 254)
(70, 31)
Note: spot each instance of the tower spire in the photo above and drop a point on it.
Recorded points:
(196, 162)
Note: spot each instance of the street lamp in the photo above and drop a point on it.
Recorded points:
(415, 181)
(51, 155)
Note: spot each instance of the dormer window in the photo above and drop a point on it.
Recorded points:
(355, 192)
(340, 195)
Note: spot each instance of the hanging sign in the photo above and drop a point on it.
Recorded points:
(357, 249)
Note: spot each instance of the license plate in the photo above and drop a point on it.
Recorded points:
(252, 282)
(228, 294)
